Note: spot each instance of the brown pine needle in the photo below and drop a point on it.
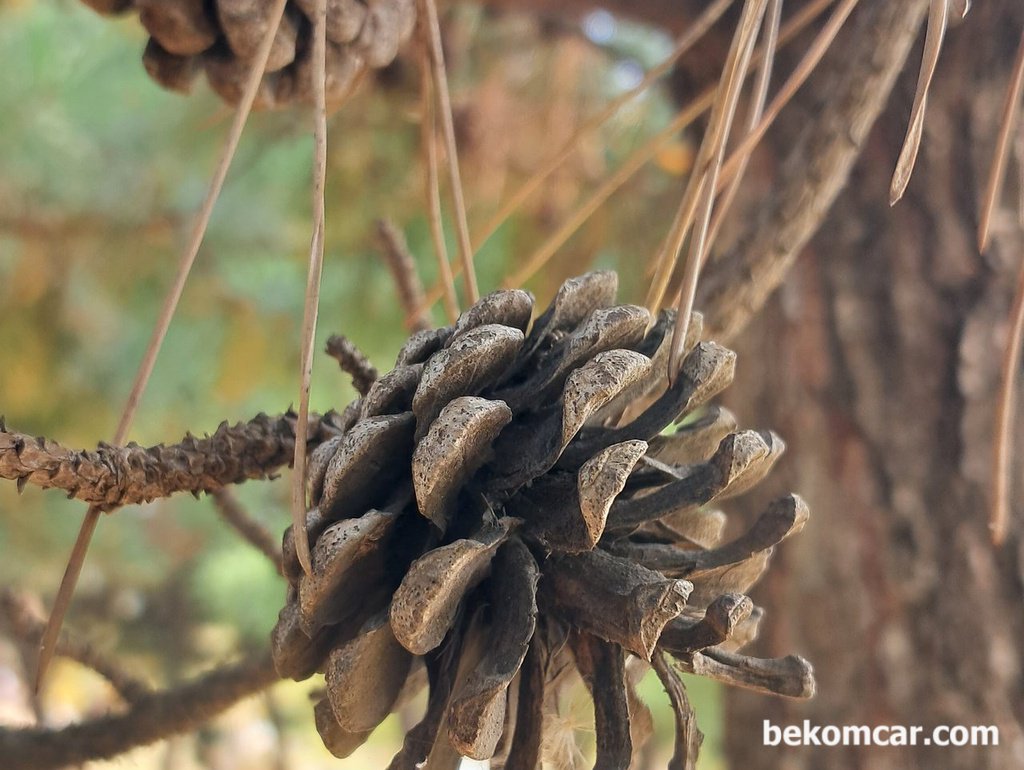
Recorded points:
(248, 527)
(686, 41)
(402, 267)
(793, 83)
(687, 115)
(758, 99)
(638, 158)
(1005, 411)
(316, 265)
(997, 171)
(673, 243)
(448, 129)
(574, 221)
(718, 135)
(65, 591)
(938, 16)
(428, 148)
(665, 257)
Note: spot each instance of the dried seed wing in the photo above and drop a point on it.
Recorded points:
(456, 445)
(696, 441)
(576, 299)
(181, 27)
(476, 715)
(603, 667)
(731, 578)
(701, 527)
(511, 307)
(366, 675)
(721, 619)
(339, 741)
(373, 456)
(425, 604)
(348, 569)
(393, 392)
(472, 361)
(613, 598)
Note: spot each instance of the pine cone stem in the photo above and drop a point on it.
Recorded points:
(24, 622)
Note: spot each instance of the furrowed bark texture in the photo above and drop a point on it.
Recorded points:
(878, 361)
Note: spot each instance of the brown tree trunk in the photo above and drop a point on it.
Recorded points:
(878, 362)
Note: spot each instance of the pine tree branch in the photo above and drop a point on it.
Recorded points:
(150, 718)
(111, 476)
(353, 362)
(25, 623)
(251, 530)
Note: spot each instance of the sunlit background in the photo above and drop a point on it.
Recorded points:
(100, 171)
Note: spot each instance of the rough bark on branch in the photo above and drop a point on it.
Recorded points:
(112, 476)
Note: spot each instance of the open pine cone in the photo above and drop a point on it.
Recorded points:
(221, 38)
(502, 503)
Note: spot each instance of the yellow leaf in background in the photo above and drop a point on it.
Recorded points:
(676, 158)
(33, 274)
(24, 379)
(244, 355)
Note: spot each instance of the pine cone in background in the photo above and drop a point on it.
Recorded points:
(502, 507)
(221, 37)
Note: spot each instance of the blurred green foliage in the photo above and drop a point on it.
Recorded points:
(100, 172)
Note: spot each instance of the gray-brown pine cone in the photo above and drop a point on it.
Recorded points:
(503, 507)
(221, 38)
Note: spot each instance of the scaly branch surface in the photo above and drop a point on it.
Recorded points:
(112, 476)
